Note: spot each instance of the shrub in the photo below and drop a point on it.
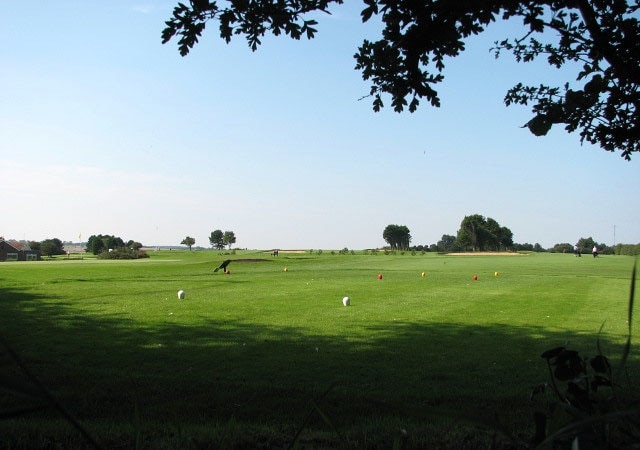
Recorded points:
(123, 253)
(560, 248)
(627, 249)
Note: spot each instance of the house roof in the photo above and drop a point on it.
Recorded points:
(19, 245)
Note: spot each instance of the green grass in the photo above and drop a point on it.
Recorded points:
(241, 361)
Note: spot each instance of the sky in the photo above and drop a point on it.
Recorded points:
(104, 130)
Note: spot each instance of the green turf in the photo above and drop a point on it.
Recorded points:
(240, 361)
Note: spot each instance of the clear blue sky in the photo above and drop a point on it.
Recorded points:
(104, 130)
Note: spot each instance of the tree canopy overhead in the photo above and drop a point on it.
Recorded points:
(597, 37)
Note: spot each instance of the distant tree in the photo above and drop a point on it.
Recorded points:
(564, 247)
(627, 249)
(217, 239)
(95, 244)
(472, 234)
(597, 40)
(113, 242)
(133, 245)
(229, 238)
(447, 243)
(123, 253)
(188, 241)
(34, 245)
(538, 248)
(586, 244)
(526, 247)
(100, 243)
(479, 234)
(397, 236)
(500, 238)
(50, 247)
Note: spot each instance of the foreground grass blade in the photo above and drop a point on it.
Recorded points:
(574, 428)
(627, 346)
(11, 413)
(19, 387)
(46, 395)
(313, 409)
(328, 421)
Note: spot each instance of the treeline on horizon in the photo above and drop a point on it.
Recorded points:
(51, 247)
(584, 246)
(477, 233)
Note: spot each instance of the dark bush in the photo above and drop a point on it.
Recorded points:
(123, 253)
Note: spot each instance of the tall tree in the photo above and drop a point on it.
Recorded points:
(50, 247)
(134, 245)
(229, 238)
(500, 238)
(586, 245)
(188, 241)
(446, 244)
(34, 245)
(397, 236)
(596, 39)
(95, 244)
(113, 242)
(470, 234)
(100, 243)
(216, 239)
(479, 234)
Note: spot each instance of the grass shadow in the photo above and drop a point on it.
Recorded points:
(109, 370)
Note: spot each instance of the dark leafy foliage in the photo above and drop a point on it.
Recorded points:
(478, 233)
(250, 18)
(50, 247)
(397, 236)
(599, 38)
(123, 253)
